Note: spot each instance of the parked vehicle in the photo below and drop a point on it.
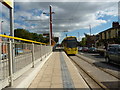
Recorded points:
(3, 56)
(92, 50)
(113, 53)
(18, 51)
(79, 48)
(54, 47)
(85, 49)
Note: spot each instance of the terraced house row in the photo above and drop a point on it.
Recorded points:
(109, 36)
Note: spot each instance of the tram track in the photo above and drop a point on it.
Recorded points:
(88, 77)
(106, 71)
(85, 73)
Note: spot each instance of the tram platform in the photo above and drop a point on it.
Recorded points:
(58, 72)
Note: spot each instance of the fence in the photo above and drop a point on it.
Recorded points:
(17, 57)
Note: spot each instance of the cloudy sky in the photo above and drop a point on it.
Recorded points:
(71, 18)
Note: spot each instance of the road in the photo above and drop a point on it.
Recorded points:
(100, 62)
(96, 58)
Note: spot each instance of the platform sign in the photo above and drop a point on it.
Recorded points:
(8, 3)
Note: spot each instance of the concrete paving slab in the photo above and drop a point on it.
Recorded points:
(57, 86)
(43, 84)
(51, 74)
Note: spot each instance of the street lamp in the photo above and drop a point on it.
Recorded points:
(50, 22)
(1, 26)
(90, 29)
(1, 41)
(66, 32)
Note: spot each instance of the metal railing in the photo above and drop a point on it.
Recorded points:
(17, 57)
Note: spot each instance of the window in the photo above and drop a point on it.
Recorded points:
(112, 49)
(118, 33)
(105, 35)
(119, 49)
(71, 44)
(109, 34)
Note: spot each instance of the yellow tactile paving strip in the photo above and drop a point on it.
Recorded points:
(50, 75)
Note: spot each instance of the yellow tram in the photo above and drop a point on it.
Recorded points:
(70, 45)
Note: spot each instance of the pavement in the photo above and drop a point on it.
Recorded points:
(58, 72)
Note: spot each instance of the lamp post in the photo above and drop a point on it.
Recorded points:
(90, 29)
(66, 32)
(1, 40)
(78, 36)
(50, 23)
(1, 26)
(1, 30)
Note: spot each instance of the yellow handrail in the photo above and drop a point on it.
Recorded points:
(1, 35)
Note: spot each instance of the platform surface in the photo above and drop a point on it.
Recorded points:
(58, 72)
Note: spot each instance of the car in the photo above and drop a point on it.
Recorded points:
(79, 48)
(92, 50)
(3, 56)
(85, 49)
(19, 51)
(113, 53)
(55, 47)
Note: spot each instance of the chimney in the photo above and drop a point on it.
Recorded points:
(115, 24)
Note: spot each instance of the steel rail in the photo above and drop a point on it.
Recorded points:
(99, 68)
(96, 81)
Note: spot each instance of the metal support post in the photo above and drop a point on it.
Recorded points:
(41, 52)
(33, 58)
(0, 49)
(50, 24)
(90, 29)
(45, 50)
(12, 34)
(10, 63)
(1, 40)
(50, 7)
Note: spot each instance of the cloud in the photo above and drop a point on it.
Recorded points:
(68, 16)
(66, 1)
(57, 34)
(4, 11)
(17, 25)
(111, 11)
(5, 26)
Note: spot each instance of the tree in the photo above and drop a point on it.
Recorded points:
(22, 33)
(83, 42)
